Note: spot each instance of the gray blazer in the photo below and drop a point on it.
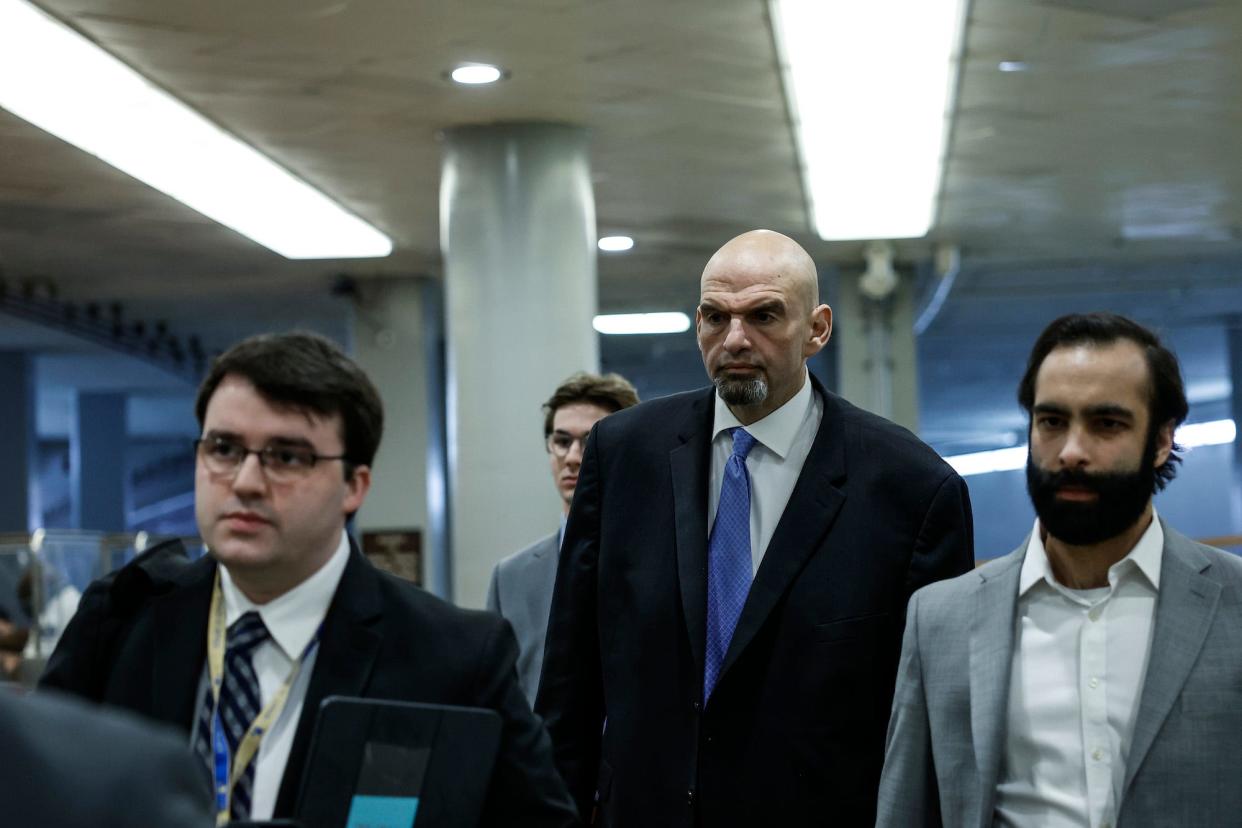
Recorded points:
(946, 734)
(521, 591)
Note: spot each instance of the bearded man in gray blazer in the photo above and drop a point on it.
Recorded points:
(1092, 677)
(521, 585)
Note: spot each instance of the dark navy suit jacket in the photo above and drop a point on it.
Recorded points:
(139, 641)
(794, 731)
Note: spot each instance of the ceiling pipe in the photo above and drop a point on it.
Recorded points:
(948, 265)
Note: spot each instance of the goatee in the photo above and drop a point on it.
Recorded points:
(736, 391)
(1120, 500)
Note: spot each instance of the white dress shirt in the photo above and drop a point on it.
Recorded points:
(1079, 662)
(292, 621)
(784, 440)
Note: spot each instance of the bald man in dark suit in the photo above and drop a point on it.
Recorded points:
(733, 581)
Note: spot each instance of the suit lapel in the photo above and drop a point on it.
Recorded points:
(991, 658)
(690, 465)
(180, 618)
(348, 645)
(1184, 611)
(549, 545)
(812, 507)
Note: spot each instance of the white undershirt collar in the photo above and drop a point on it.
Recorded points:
(778, 430)
(1146, 556)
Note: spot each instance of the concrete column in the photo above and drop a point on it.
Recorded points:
(878, 365)
(391, 345)
(97, 462)
(517, 224)
(18, 509)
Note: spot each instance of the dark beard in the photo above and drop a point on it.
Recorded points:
(1120, 500)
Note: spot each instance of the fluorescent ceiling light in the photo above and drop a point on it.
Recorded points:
(1211, 433)
(642, 323)
(615, 244)
(62, 83)
(1192, 435)
(982, 462)
(1012, 66)
(870, 91)
(476, 73)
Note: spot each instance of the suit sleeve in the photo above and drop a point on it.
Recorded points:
(172, 791)
(571, 692)
(909, 795)
(493, 591)
(945, 546)
(78, 665)
(77, 765)
(526, 789)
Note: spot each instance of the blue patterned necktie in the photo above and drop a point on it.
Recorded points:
(728, 559)
(240, 703)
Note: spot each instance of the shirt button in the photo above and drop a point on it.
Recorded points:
(1094, 615)
(690, 797)
(1097, 754)
(1094, 683)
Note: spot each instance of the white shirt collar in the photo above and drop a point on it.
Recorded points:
(293, 618)
(776, 431)
(1146, 556)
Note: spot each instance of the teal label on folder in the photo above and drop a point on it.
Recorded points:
(382, 812)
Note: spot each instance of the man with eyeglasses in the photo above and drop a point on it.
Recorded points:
(521, 586)
(239, 648)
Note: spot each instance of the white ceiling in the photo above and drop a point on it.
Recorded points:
(1115, 147)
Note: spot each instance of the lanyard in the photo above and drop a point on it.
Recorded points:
(217, 631)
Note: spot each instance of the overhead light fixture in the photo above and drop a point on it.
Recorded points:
(642, 323)
(1012, 66)
(870, 89)
(1210, 433)
(616, 244)
(476, 74)
(63, 83)
(1191, 435)
(983, 462)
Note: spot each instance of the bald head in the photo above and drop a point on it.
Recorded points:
(767, 256)
(758, 320)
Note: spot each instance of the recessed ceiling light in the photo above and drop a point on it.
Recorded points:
(615, 244)
(64, 84)
(476, 74)
(642, 323)
(1012, 66)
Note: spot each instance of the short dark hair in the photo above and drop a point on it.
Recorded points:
(305, 372)
(1166, 391)
(611, 392)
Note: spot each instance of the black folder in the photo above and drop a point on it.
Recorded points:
(387, 764)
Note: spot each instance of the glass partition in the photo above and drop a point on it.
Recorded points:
(42, 578)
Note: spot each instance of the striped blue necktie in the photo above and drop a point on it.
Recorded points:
(728, 559)
(240, 703)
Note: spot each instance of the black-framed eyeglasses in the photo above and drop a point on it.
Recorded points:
(280, 461)
(560, 443)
